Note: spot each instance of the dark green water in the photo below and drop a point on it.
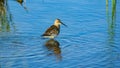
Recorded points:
(91, 40)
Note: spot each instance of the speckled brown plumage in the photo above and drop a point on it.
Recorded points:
(53, 30)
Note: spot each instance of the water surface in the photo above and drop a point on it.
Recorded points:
(91, 40)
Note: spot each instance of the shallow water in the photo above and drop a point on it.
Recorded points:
(87, 42)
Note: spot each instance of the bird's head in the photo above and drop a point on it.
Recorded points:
(58, 22)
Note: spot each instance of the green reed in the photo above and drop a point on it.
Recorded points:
(111, 16)
(5, 17)
(113, 10)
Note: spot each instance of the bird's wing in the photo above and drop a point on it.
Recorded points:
(53, 30)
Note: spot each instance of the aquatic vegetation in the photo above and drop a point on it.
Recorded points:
(111, 19)
(5, 16)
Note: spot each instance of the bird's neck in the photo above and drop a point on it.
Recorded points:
(57, 25)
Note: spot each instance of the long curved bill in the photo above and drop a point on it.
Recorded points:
(64, 24)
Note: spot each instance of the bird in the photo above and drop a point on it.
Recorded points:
(20, 1)
(53, 30)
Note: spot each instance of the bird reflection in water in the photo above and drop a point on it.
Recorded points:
(22, 3)
(53, 46)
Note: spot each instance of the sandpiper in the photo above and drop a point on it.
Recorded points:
(53, 30)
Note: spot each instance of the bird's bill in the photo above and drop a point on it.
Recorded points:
(64, 24)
